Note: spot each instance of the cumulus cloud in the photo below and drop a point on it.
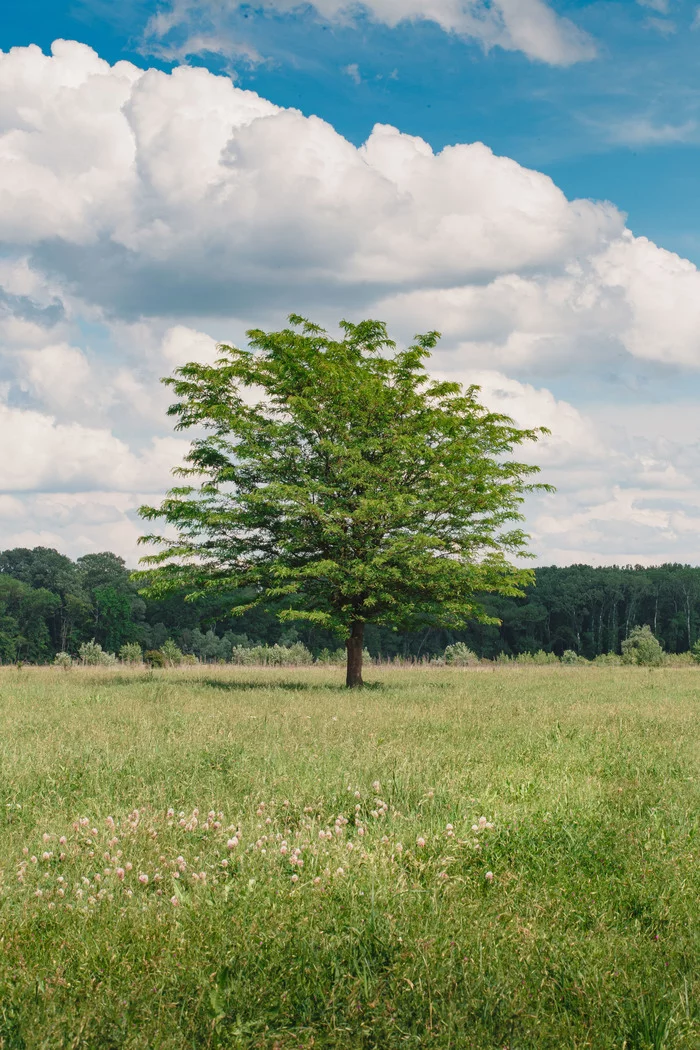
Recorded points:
(529, 26)
(145, 216)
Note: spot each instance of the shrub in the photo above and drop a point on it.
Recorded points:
(154, 658)
(695, 652)
(131, 653)
(93, 655)
(607, 660)
(335, 658)
(272, 655)
(460, 655)
(569, 657)
(171, 654)
(541, 657)
(642, 648)
(64, 660)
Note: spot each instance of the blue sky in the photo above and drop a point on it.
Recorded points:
(150, 206)
(624, 126)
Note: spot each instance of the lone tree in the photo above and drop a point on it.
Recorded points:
(337, 480)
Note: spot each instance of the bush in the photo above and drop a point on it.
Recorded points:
(642, 648)
(171, 654)
(460, 655)
(64, 660)
(607, 660)
(695, 652)
(93, 655)
(570, 658)
(541, 657)
(131, 653)
(335, 658)
(154, 658)
(272, 655)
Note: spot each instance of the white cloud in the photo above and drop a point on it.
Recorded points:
(52, 456)
(185, 210)
(640, 131)
(530, 26)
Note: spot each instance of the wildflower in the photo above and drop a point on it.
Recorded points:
(350, 847)
(143, 878)
(339, 871)
(61, 856)
(295, 877)
(399, 847)
(431, 794)
(25, 851)
(317, 880)
(360, 831)
(175, 902)
(482, 822)
(489, 876)
(63, 841)
(46, 856)
(376, 786)
(232, 843)
(171, 813)
(475, 827)
(34, 860)
(46, 836)
(120, 873)
(38, 893)
(357, 794)
(420, 842)
(224, 863)
(489, 825)
(128, 865)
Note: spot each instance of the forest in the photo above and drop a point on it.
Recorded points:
(50, 603)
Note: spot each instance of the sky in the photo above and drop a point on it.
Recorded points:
(519, 174)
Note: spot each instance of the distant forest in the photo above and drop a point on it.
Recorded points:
(50, 604)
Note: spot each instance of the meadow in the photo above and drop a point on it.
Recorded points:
(244, 858)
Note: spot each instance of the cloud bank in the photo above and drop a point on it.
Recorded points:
(146, 215)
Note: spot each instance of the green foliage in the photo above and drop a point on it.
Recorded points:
(64, 660)
(355, 490)
(154, 658)
(332, 658)
(131, 653)
(171, 653)
(695, 652)
(296, 655)
(586, 937)
(460, 655)
(92, 654)
(642, 648)
(570, 658)
(607, 660)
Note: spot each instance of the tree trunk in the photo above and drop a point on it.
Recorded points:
(353, 679)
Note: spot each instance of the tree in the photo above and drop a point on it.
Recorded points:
(642, 648)
(338, 479)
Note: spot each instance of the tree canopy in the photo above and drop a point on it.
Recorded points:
(337, 479)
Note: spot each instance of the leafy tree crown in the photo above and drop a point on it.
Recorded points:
(338, 480)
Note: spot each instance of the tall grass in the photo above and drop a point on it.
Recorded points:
(572, 921)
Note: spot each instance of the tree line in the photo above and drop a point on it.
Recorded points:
(50, 604)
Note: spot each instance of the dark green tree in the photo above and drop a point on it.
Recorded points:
(337, 477)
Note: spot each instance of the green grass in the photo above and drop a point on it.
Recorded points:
(586, 936)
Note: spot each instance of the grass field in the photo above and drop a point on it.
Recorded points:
(314, 878)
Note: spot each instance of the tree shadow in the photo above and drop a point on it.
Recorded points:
(289, 686)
